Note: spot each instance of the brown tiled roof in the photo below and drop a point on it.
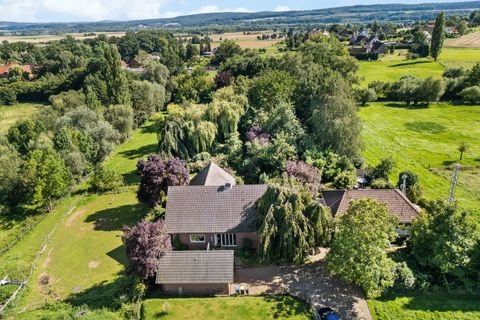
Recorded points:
(177, 267)
(5, 69)
(212, 175)
(212, 209)
(397, 204)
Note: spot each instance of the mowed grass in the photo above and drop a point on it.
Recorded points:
(392, 67)
(426, 307)
(11, 114)
(254, 308)
(457, 57)
(143, 142)
(87, 251)
(425, 141)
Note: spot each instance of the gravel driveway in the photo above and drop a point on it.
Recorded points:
(310, 282)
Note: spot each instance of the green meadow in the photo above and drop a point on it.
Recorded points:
(11, 114)
(425, 141)
(392, 67)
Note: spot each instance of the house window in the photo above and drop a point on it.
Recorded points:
(228, 239)
(197, 238)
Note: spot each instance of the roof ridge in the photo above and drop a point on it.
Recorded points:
(407, 200)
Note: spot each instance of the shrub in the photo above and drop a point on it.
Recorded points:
(104, 179)
(364, 95)
(404, 277)
(412, 56)
(345, 180)
(381, 183)
(7, 96)
(471, 94)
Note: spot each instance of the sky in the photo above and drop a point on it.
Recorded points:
(96, 10)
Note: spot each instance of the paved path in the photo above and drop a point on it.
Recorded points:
(310, 282)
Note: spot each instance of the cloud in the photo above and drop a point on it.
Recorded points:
(80, 10)
(282, 8)
(215, 8)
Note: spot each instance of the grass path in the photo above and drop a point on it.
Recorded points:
(425, 141)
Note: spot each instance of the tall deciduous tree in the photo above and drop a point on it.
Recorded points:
(146, 98)
(45, 177)
(145, 243)
(443, 241)
(121, 119)
(358, 251)
(156, 175)
(438, 36)
(114, 76)
(226, 50)
(334, 123)
(10, 164)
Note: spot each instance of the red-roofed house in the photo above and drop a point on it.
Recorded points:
(5, 69)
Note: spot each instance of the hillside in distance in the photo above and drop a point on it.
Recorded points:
(350, 14)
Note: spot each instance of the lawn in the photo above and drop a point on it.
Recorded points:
(11, 114)
(86, 257)
(425, 141)
(268, 307)
(124, 160)
(426, 307)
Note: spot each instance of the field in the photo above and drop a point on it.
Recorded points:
(52, 37)
(392, 67)
(254, 308)
(426, 307)
(244, 40)
(471, 40)
(425, 141)
(11, 114)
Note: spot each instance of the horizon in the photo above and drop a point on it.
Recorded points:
(84, 11)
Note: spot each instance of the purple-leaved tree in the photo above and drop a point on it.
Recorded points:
(304, 173)
(156, 175)
(146, 242)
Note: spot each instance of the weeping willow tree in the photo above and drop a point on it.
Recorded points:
(171, 138)
(225, 110)
(291, 224)
(200, 135)
(185, 132)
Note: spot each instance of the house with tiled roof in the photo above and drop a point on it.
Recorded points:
(6, 68)
(196, 272)
(210, 217)
(212, 175)
(397, 203)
